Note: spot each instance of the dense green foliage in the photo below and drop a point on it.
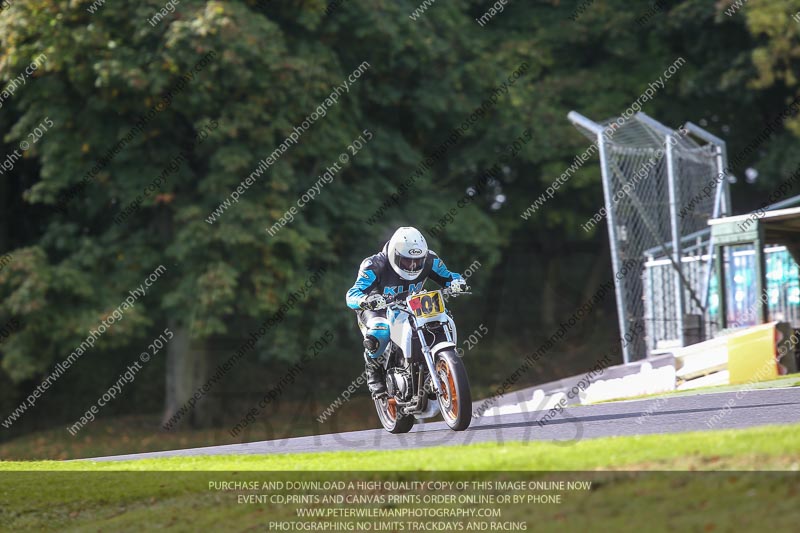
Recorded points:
(273, 63)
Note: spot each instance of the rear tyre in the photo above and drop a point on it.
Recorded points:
(390, 416)
(456, 401)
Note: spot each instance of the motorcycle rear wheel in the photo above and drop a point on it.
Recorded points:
(456, 401)
(392, 420)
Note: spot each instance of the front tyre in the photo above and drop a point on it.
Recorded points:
(390, 416)
(456, 401)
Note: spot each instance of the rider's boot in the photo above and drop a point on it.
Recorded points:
(373, 367)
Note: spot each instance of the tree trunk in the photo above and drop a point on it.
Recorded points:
(187, 370)
(549, 292)
(6, 210)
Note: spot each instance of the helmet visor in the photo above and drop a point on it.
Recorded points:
(412, 265)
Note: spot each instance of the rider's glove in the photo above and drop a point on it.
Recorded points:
(373, 302)
(458, 285)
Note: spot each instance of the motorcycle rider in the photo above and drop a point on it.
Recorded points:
(404, 264)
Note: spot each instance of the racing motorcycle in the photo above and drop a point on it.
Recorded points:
(424, 375)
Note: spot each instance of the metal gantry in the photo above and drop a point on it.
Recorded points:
(660, 187)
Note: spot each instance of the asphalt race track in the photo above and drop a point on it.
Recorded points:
(668, 415)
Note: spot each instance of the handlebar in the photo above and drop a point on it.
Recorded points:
(399, 298)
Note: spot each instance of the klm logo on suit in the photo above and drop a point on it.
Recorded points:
(412, 287)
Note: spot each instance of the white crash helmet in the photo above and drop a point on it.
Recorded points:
(407, 251)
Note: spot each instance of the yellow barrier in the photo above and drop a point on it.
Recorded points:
(752, 354)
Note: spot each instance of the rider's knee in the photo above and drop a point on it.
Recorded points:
(377, 336)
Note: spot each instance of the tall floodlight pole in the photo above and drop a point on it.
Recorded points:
(611, 217)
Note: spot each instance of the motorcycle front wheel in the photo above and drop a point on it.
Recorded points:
(390, 416)
(456, 401)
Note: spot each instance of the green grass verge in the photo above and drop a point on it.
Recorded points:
(760, 448)
(129, 434)
(175, 493)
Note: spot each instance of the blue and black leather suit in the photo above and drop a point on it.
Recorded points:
(376, 275)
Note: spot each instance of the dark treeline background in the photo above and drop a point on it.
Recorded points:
(275, 62)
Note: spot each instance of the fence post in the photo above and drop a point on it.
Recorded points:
(672, 180)
(616, 262)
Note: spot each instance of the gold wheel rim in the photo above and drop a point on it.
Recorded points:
(449, 394)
